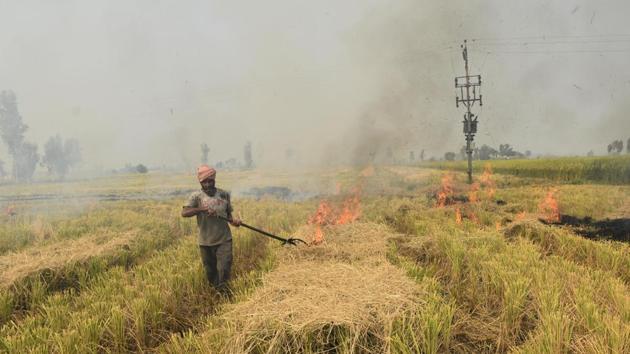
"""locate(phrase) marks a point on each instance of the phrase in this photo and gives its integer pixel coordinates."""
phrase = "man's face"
(207, 183)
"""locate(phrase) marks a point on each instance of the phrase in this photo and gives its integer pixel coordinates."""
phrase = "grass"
(610, 169)
(497, 281)
(139, 308)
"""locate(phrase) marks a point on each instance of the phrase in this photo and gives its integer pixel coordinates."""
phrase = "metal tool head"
(294, 241)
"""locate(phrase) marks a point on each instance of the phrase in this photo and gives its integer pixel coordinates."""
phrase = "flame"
(487, 181)
(326, 214)
(446, 190)
(472, 194)
(497, 225)
(520, 216)
(320, 218)
(458, 216)
(549, 206)
(351, 208)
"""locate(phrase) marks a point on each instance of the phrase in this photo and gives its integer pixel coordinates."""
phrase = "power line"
(596, 51)
(543, 37)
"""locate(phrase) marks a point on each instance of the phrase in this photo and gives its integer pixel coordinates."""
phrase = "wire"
(497, 39)
(596, 51)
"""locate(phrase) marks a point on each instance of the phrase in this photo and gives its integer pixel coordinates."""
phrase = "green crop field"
(525, 261)
(610, 170)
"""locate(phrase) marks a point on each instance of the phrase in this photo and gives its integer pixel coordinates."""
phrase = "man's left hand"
(236, 222)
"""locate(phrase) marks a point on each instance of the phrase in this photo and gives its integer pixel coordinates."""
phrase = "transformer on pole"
(469, 87)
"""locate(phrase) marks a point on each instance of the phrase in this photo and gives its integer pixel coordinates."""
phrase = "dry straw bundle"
(342, 296)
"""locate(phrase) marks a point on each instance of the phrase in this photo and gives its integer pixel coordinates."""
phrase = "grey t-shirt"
(212, 230)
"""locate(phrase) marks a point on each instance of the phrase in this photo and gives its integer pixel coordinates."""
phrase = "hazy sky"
(148, 81)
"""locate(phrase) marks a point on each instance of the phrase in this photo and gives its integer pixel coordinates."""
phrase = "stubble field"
(401, 259)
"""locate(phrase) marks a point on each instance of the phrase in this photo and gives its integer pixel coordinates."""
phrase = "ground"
(400, 259)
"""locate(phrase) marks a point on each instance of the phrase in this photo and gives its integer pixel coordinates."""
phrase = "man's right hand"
(188, 212)
(211, 212)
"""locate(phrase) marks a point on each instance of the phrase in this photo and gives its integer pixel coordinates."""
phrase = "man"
(215, 237)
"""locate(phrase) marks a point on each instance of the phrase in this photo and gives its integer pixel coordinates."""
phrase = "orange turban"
(205, 171)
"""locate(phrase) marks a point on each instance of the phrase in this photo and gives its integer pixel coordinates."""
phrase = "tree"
(140, 168)
(12, 130)
(628, 146)
(422, 155)
(464, 155)
(449, 156)
(505, 150)
(204, 153)
(2, 171)
(247, 155)
(11, 126)
(486, 152)
(60, 156)
(26, 159)
(616, 147)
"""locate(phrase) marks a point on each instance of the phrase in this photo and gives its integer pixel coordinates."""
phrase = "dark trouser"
(217, 262)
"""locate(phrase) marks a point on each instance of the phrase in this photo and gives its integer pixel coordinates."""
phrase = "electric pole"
(467, 86)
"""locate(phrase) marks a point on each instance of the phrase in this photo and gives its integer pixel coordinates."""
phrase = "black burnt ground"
(607, 229)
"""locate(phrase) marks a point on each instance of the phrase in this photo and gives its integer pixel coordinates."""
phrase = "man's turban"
(205, 171)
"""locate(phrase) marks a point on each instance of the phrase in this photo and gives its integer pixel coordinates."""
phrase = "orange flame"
(497, 225)
(458, 216)
(549, 206)
(351, 208)
(487, 181)
(520, 216)
(446, 190)
(321, 217)
(349, 211)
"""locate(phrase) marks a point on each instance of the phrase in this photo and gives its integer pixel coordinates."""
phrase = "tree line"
(59, 155)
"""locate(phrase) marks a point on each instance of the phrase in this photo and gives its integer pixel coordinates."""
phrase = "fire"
(326, 214)
(458, 216)
(520, 216)
(497, 225)
(446, 190)
(320, 218)
(487, 181)
(351, 209)
(549, 206)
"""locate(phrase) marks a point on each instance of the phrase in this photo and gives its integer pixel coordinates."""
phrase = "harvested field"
(408, 261)
(345, 286)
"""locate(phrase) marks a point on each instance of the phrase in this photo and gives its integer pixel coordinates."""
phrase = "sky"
(332, 81)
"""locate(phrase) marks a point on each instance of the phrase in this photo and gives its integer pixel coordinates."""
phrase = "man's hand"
(236, 222)
(211, 212)
(188, 212)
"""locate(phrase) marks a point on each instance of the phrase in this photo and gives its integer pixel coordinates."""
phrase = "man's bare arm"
(188, 212)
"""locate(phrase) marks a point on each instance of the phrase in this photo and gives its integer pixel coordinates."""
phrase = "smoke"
(332, 82)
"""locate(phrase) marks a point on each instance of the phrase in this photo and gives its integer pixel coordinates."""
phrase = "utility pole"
(467, 86)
